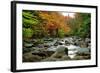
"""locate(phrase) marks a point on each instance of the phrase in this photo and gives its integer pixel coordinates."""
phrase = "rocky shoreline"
(36, 50)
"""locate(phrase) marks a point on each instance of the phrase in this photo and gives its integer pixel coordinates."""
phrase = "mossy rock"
(28, 57)
(65, 57)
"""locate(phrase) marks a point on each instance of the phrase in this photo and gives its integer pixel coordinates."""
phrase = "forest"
(41, 28)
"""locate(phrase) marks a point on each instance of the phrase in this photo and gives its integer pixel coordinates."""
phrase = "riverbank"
(50, 49)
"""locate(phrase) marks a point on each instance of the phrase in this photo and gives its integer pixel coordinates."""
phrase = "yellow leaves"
(54, 20)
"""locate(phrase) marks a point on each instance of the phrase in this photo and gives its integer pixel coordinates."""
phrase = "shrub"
(27, 32)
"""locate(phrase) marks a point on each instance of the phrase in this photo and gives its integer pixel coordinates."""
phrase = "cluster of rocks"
(36, 50)
(36, 56)
(44, 56)
(33, 53)
(84, 43)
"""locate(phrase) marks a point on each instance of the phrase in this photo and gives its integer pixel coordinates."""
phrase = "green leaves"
(85, 27)
(29, 19)
(61, 33)
(53, 24)
(26, 15)
(27, 32)
(29, 22)
(80, 25)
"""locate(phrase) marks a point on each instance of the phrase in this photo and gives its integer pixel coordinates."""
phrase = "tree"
(84, 29)
(31, 22)
(80, 25)
(53, 21)
(61, 33)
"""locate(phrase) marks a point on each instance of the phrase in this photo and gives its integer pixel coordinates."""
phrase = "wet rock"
(48, 39)
(78, 43)
(57, 55)
(42, 52)
(82, 55)
(40, 46)
(46, 46)
(78, 57)
(33, 40)
(28, 57)
(53, 50)
(49, 53)
(56, 44)
(89, 45)
(57, 58)
(83, 44)
(25, 50)
(60, 51)
(67, 43)
(66, 57)
(83, 51)
(87, 40)
(28, 45)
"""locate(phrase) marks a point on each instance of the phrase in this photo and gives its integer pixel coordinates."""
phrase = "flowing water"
(72, 49)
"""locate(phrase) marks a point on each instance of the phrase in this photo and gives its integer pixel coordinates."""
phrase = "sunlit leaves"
(54, 24)
(27, 32)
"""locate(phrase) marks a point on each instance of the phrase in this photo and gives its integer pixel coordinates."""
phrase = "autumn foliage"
(54, 24)
(51, 24)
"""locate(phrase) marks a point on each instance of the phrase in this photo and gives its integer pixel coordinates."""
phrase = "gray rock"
(42, 53)
(28, 57)
(78, 57)
(25, 50)
(84, 50)
(89, 45)
(87, 40)
(28, 45)
(83, 44)
(65, 57)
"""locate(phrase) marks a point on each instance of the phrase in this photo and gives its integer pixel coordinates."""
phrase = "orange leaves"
(54, 20)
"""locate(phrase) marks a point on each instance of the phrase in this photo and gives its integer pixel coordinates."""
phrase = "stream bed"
(56, 49)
